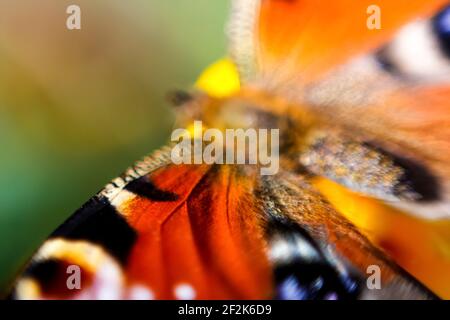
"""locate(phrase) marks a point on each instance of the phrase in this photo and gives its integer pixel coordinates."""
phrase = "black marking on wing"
(302, 271)
(385, 62)
(99, 222)
(420, 179)
(441, 29)
(146, 188)
(51, 275)
(43, 271)
(416, 177)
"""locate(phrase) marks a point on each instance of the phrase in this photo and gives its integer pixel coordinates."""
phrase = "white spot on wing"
(107, 283)
(184, 292)
(415, 51)
(140, 292)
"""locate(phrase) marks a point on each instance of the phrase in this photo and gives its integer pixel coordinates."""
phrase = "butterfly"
(362, 112)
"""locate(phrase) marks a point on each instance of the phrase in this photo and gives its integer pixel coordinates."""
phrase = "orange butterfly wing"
(186, 231)
(322, 56)
(210, 232)
(311, 37)
(208, 238)
(308, 51)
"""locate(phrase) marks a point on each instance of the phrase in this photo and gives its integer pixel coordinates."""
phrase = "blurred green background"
(78, 106)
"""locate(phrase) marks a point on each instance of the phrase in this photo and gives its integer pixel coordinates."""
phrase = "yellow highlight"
(220, 80)
(421, 247)
(194, 132)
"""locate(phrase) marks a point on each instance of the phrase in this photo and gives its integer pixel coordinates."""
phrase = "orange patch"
(311, 36)
(209, 238)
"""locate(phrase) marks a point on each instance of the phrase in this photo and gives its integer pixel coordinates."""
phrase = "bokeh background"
(78, 106)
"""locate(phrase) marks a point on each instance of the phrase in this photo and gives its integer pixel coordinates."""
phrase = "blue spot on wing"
(441, 26)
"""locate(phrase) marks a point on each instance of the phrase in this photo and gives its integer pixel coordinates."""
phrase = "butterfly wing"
(160, 231)
(370, 82)
(317, 254)
(373, 86)
(169, 231)
(310, 37)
